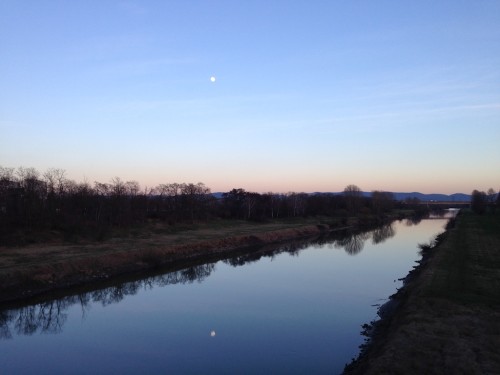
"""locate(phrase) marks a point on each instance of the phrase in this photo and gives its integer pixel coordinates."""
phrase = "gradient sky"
(310, 95)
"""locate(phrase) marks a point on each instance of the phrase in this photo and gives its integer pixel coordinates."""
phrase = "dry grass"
(45, 266)
(467, 267)
(450, 323)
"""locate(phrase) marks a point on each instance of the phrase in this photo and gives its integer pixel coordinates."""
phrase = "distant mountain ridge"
(457, 197)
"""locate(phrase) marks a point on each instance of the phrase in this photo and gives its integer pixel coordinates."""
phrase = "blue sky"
(309, 95)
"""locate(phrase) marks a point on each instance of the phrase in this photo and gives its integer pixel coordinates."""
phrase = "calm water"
(293, 310)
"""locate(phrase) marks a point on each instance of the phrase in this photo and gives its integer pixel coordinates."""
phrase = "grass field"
(468, 270)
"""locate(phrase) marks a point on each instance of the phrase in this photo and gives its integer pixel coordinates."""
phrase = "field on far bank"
(449, 320)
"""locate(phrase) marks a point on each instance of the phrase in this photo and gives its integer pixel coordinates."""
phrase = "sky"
(308, 95)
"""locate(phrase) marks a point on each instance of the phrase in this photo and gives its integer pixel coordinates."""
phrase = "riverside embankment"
(446, 318)
(31, 270)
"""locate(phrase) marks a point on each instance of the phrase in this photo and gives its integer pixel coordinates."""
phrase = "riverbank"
(446, 319)
(32, 270)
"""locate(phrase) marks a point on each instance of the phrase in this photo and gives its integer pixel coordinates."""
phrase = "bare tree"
(8, 207)
(273, 203)
(194, 199)
(250, 202)
(33, 195)
(118, 187)
(7, 174)
(296, 203)
(169, 201)
(492, 199)
(55, 179)
(102, 191)
(382, 201)
(132, 188)
(479, 201)
(234, 203)
(353, 197)
(491, 195)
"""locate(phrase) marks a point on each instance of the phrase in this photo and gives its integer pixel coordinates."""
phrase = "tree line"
(31, 202)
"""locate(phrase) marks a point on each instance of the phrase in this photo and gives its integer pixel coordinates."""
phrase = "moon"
(212, 79)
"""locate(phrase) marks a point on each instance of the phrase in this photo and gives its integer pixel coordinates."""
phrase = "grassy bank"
(468, 268)
(30, 270)
(448, 321)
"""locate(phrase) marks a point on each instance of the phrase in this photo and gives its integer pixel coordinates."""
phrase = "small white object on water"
(212, 79)
(212, 334)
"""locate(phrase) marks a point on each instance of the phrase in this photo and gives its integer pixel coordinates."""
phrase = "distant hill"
(457, 197)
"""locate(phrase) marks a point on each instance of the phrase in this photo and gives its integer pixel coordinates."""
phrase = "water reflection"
(50, 316)
(414, 220)
(353, 244)
(448, 213)
(381, 234)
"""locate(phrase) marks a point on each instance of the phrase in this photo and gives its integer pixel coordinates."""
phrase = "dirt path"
(449, 318)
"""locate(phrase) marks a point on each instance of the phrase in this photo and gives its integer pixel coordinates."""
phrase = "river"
(293, 309)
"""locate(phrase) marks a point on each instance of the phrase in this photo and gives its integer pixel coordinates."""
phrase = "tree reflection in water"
(382, 233)
(47, 317)
(50, 317)
(354, 243)
(411, 221)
